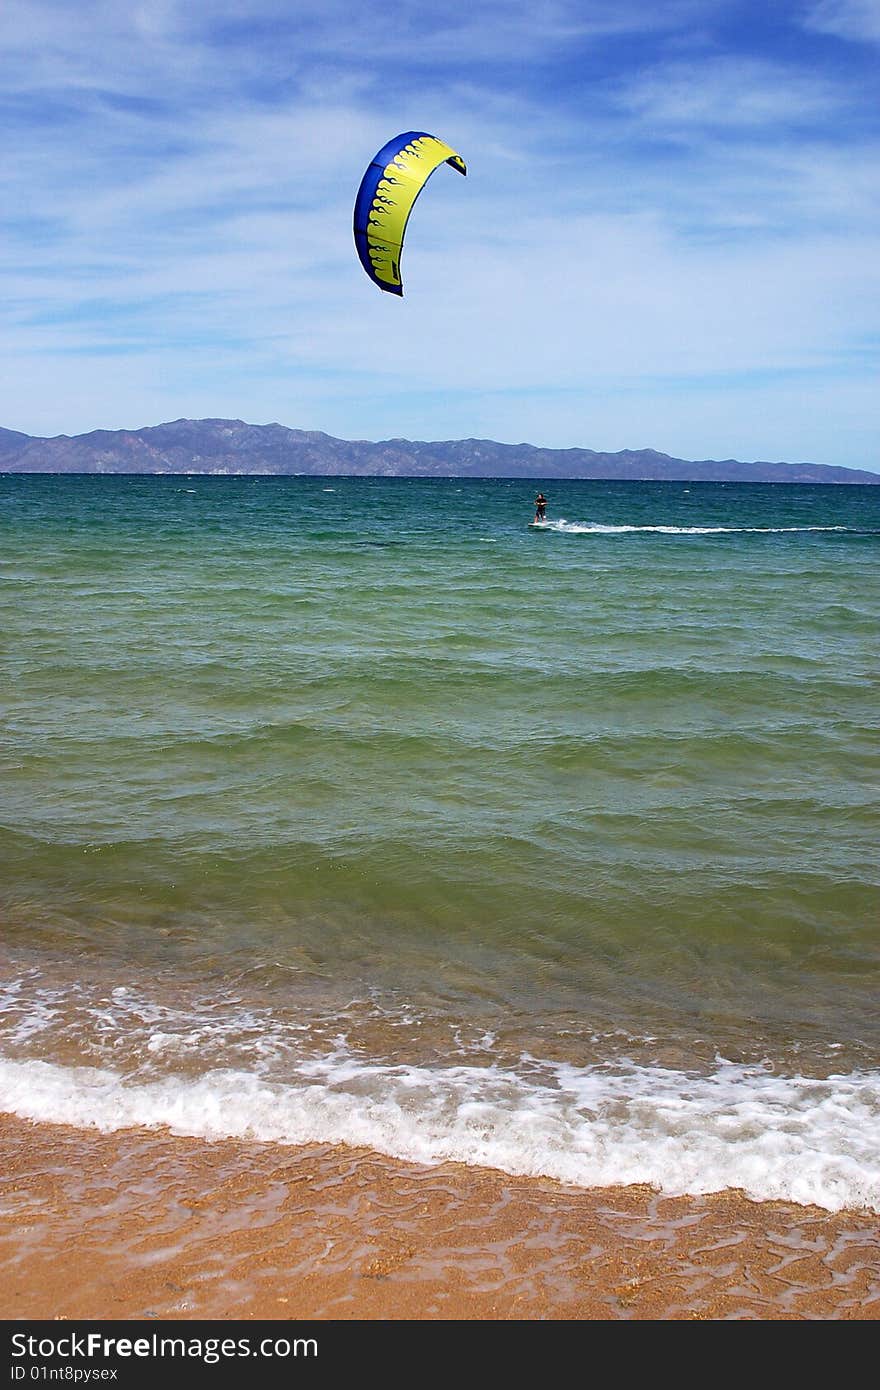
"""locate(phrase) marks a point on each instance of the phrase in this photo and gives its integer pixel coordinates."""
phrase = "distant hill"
(233, 447)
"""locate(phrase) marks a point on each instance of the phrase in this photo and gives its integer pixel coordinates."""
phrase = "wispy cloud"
(732, 93)
(847, 19)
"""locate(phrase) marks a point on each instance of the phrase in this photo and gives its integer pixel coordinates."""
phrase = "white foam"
(585, 528)
(792, 1138)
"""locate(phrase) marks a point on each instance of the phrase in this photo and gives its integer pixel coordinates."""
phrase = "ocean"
(352, 810)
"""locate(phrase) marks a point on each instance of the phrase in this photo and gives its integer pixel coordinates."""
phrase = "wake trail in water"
(592, 528)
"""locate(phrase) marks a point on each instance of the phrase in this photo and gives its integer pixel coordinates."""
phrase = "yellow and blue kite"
(389, 188)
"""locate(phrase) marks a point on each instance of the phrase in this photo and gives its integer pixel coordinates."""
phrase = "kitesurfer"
(540, 506)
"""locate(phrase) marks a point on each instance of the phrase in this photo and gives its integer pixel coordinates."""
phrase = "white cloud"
(846, 19)
(706, 93)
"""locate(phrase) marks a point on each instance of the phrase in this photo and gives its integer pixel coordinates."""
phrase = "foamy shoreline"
(140, 1224)
(810, 1141)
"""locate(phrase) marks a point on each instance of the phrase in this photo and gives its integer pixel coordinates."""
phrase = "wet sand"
(141, 1224)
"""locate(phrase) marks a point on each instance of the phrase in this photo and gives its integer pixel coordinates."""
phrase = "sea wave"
(804, 1140)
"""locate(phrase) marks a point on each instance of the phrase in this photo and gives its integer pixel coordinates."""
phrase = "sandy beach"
(141, 1224)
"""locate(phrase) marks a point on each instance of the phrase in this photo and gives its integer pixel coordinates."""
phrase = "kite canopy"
(389, 188)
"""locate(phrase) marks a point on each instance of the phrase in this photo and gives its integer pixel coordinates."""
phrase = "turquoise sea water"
(354, 809)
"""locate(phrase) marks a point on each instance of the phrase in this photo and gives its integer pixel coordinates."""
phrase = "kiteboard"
(540, 525)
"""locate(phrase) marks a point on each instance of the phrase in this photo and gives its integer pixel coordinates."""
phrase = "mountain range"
(231, 447)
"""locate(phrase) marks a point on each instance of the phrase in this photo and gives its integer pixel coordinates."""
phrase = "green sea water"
(362, 793)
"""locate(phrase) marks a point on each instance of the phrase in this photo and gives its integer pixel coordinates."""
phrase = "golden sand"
(140, 1224)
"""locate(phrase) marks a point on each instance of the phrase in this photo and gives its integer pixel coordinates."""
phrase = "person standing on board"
(540, 506)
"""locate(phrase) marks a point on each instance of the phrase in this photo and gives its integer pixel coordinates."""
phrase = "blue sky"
(668, 236)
